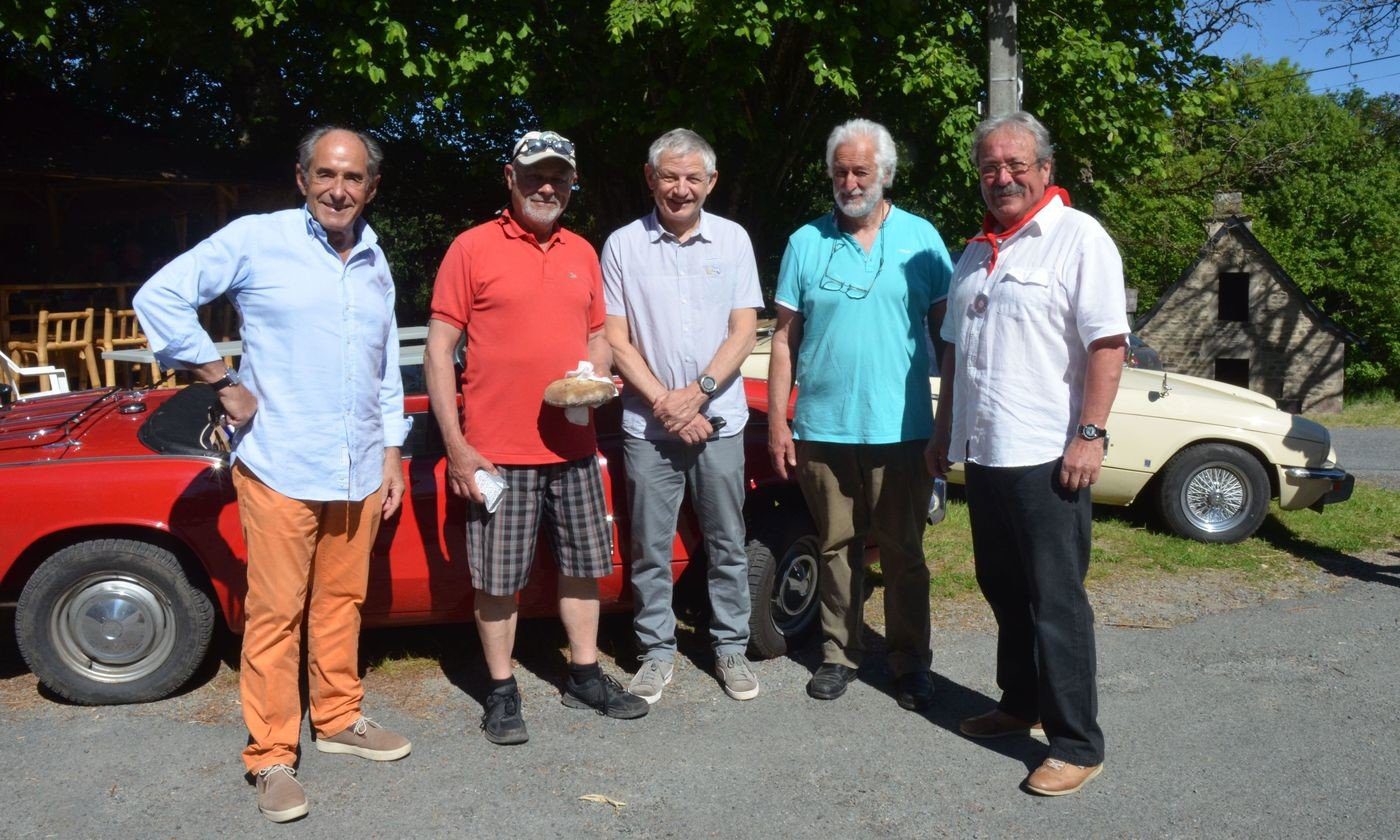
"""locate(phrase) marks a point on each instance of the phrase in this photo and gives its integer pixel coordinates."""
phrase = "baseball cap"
(536, 146)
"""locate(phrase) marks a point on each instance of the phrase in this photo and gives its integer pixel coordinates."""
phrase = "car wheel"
(783, 572)
(113, 621)
(1214, 493)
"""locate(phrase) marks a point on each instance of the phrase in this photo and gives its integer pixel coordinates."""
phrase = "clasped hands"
(679, 412)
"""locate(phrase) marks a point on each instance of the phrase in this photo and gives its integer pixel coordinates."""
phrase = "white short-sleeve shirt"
(1022, 331)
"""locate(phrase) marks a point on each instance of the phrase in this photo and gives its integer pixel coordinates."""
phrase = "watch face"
(707, 384)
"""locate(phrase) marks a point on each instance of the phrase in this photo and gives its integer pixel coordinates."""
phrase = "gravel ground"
(1228, 712)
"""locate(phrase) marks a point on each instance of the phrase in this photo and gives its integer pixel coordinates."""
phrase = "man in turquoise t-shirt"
(854, 291)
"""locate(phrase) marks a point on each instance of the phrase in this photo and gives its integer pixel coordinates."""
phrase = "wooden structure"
(1236, 316)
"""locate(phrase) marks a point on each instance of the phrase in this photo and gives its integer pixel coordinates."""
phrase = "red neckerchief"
(994, 238)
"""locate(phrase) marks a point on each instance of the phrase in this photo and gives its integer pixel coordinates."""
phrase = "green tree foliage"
(1319, 175)
(765, 81)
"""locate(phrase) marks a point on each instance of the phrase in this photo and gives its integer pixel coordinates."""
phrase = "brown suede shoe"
(280, 795)
(366, 739)
(998, 724)
(1057, 778)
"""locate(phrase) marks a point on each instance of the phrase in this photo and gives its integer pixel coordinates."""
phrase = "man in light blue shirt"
(317, 406)
(854, 290)
(682, 297)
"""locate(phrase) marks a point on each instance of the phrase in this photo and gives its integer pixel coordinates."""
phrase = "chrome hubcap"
(1215, 498)
(114, 628)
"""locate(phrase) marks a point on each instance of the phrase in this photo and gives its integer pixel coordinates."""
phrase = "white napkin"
(578, 415)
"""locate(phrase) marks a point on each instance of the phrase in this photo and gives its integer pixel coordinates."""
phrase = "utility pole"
(1003, 59)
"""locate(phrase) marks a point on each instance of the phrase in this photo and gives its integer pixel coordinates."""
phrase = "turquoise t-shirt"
(862, 368)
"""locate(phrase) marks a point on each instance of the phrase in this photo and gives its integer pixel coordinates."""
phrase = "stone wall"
(1292, 356)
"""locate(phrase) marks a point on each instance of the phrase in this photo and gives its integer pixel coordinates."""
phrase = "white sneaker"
(651, 678)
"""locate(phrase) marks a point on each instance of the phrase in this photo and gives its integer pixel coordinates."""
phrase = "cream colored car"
(1205, 456)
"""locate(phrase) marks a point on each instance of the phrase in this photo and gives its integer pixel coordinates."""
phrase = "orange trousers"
(295, 546)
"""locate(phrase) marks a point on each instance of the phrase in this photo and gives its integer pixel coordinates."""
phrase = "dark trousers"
(880, 491)
(1031, 539)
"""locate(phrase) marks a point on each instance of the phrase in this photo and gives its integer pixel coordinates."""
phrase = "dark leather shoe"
(998, 724)
(914, 691)
(830, 681)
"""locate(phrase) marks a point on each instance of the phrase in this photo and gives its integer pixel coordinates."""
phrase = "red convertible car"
(120, 546)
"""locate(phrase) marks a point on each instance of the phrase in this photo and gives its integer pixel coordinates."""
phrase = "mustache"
(1008, 189)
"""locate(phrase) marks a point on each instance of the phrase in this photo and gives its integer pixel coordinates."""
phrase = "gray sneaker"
(651, 678)
(737, 677)
(280, 795)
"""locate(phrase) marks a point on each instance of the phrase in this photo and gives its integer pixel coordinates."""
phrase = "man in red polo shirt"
(529, 296)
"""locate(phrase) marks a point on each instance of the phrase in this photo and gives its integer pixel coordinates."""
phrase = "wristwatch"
(229, 379)
(1089, 431)
(707, 384)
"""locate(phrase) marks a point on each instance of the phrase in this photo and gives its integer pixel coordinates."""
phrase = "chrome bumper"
(1342, 483)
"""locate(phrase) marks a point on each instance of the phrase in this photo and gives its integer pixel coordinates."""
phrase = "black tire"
(1213, 493)
(113, 621)
(784, 565)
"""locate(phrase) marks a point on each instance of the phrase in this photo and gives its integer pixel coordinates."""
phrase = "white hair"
(1020, 120)
(682, 141)
(886, 157)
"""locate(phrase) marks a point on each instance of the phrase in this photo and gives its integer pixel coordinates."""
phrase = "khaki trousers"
(880, 491)
(295, 546)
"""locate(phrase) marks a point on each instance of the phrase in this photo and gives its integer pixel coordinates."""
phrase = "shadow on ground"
(1330, 560)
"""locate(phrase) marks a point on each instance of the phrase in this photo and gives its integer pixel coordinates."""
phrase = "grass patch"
(1125, 545)
(1379, 408)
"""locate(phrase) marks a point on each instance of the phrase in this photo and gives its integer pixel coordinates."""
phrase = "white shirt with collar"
(1022, 331)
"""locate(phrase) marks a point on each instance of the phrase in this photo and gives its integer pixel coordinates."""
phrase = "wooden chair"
(11, 374)
(121, 330)
(62, 332)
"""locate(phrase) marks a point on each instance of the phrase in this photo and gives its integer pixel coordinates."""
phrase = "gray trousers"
(658, 473)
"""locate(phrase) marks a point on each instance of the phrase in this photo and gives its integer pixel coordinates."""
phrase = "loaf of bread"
(572, 391)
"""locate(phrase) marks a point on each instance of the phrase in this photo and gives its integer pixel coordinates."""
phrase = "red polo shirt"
(527, 313)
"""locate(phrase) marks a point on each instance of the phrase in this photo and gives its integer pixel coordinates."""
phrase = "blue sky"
(1284, 26)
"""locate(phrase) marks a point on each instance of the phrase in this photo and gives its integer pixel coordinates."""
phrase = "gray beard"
(859, 208)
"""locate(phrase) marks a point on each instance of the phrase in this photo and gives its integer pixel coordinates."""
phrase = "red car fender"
(190, 499)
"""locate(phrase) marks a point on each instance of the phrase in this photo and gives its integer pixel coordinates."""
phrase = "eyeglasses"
(547, 140)
(850, 290)
(1012, 167)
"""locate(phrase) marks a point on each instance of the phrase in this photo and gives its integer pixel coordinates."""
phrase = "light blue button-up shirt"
(677, 297)
(320, 348)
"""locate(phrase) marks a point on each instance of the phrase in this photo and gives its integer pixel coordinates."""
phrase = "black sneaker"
(604, 695)
(502, 723)
(914, 691)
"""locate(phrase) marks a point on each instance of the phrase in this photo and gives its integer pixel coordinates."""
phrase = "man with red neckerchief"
(1036, 326)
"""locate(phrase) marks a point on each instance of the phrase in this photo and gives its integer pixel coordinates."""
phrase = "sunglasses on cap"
(547, 140)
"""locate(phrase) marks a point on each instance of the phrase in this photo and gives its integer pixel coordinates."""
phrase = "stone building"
(1236, 316)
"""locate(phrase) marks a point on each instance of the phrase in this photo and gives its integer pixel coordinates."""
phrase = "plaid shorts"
(568, 498)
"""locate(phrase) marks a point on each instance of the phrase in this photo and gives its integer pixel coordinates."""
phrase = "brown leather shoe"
(998, 724)
(1057, 778)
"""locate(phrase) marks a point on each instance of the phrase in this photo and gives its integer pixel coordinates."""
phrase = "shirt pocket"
(1025, 294)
